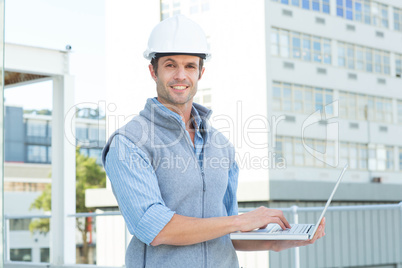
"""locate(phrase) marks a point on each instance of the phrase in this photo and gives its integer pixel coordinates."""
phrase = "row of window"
(300, 99)
(36, 128)
(169, 8)
(44, 129)
(358, 156)
(294, 153)
(43, 154)
(316, 5)
(363, 58)
(304, 99)
(25, 254)
(289, 44)
(365, 11)
(361, 107)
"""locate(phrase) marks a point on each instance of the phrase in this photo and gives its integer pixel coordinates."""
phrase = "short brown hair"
(154, 63)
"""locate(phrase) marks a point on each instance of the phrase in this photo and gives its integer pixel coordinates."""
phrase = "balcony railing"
(356, 236)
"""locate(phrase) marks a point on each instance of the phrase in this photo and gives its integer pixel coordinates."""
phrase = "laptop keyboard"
(296, 229)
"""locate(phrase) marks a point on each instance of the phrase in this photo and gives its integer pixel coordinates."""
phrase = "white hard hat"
(177, 35)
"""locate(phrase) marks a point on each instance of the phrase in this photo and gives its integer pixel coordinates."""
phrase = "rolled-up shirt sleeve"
(230, 198)
(136, 189)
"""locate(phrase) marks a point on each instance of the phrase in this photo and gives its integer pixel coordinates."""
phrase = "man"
(173, 175)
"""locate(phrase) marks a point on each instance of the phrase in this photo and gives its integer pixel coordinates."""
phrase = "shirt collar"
(194, 113)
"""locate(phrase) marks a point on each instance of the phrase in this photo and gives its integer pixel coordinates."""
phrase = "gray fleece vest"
(186, 188)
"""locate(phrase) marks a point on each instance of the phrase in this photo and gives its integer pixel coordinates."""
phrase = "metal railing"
(351, 238)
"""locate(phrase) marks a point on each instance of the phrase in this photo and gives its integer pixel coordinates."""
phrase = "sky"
(55, 24)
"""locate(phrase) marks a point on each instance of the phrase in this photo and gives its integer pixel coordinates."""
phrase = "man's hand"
(285, 244)
(278, 245)
(260, 218)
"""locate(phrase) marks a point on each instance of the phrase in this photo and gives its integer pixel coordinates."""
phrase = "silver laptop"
(297, 232)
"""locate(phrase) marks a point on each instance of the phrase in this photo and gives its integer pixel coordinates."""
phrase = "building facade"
(27, 171)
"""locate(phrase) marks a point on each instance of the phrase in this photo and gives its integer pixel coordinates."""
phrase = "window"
(295, 154)
(355, 154)
(397, 19)
(400, 158)
(19, 224)
(379, 13)
(21, 254)
(353, 106)
(169, 8)
(362, 58)
(300, 99)
(198, 6)
(44, 255)
(398, 65)
(37, 154)
(295, 45)
(36, 128)
(399, 104)
(81, 134)
(381, 157)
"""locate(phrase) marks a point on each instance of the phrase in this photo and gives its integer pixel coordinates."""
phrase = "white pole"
(297, 250)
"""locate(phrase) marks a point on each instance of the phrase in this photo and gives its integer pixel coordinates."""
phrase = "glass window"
(284, 43)
(44, 255)
(399, 104)
(397, 19)
(359, 58)
(389, 157)
(308, 100)
(341, 54)
(306, 4)
(21, 254)
(275, 42)
(327, 51)
(350, 55)
(296, 45)
(358, 10)
(36, 128)
(81, 134)
(93, 133)
(369, 60)
(349, 10)
(277, 96)
(377, 61)
(287, 97)
(19, 224)
(317, 49)
(306, 48)
(398, 65)
(298, 98)
(316, 5)
(400, 159)
(325, 6)
(339, 8)
(296, 3)
(37, 153)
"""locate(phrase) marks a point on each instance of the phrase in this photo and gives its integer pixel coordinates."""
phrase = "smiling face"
(177, 79)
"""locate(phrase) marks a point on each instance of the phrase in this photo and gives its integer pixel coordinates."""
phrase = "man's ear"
(201, 73)
(152, 72)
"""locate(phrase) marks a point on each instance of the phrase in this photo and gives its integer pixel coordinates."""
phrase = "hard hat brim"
(201, 55)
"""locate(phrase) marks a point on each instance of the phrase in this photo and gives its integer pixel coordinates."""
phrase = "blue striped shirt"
(135, 184)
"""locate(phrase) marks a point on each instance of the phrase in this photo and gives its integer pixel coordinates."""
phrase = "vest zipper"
(202, 173)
